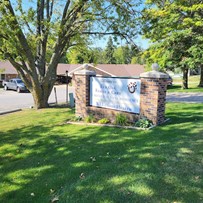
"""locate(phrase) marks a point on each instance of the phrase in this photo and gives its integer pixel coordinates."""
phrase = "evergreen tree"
(127, 54)
(109, 52)
(119, 56)
(124, 54)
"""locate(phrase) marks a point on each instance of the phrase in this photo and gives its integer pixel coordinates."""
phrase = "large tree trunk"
(40, 100)
(201, 76)
(185, 78)
(41, 95)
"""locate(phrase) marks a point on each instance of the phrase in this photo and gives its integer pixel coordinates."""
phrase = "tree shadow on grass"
(100, 164)
(174, 87)
(61, 106)
(187, 113)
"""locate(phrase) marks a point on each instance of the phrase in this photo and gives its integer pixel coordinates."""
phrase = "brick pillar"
(153, 95)
(82, 91)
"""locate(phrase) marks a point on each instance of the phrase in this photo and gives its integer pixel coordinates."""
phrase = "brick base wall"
(100, 113)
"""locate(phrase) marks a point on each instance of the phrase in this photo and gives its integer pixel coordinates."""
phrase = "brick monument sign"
(135, 97)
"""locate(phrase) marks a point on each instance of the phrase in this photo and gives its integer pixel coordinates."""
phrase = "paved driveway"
(185, 97)
(10, 100)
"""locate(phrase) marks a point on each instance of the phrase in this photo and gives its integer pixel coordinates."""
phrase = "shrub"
(143, 123)
(77, 118)
(104, 121)
(121, 119)
(90, 119)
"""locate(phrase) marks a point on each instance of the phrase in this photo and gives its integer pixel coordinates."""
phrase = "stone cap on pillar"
(85, 71)
(154, 73)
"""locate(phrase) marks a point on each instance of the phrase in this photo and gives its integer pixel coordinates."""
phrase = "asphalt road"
(196, 97)
(11, 100)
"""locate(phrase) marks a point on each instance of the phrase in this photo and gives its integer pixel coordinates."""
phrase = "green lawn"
(41, 158)
(192, 85)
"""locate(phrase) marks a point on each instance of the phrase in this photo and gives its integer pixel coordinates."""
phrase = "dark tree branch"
(68, 20)
(4, 37)
(100, 33)
(65, 11)
(90, 20)
(38, 18)
(47, 9)
(42, 34)
(125, 36)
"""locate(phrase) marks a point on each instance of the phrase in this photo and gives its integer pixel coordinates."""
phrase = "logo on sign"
(132, 86)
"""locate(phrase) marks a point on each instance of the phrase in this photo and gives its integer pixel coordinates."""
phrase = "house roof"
(111, 69)
(121, 69)
(62, 68)
(7, 67)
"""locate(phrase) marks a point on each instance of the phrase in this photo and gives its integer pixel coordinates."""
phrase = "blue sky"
(144, 43)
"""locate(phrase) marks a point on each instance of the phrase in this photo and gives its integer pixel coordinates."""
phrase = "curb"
(11, 111)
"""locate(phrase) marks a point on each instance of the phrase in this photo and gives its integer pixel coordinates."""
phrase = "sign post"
(66, 74)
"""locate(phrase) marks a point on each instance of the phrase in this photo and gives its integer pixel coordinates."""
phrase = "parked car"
(14, 84)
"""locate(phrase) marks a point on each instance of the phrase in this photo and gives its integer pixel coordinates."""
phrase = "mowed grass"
(193, 82)
(42, 159)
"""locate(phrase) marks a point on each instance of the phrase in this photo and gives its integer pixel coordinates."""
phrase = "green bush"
(143, 123)
(121, 119)
(90, 119)
(77, 118)
(104, 121)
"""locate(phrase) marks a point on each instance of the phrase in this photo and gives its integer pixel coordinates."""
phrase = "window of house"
(2, 76)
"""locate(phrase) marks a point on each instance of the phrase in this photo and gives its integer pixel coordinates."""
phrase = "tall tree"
(85, 54)
(98, 55)
(109, 52)
(136, 55)
(124, 54)
(78, 55)
(196, 59)
(127, 54)
(35, 35)
(119, 56)
(176, 27)
(201, 76)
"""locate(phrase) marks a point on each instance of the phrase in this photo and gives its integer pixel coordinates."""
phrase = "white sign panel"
(121, 94)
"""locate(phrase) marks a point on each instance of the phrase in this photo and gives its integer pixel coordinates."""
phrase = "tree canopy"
(175, 28)
(35, 35)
